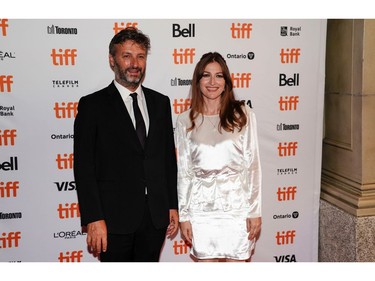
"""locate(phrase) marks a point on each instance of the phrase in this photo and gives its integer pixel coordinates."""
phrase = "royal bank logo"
(54, 29)
(7, 111)
(290, 31)
(7, 55)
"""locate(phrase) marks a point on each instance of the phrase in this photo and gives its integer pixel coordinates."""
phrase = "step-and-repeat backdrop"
(277, 67)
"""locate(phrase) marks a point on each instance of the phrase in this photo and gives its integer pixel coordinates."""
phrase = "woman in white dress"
(219, 172)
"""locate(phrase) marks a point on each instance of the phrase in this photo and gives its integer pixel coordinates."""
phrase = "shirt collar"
(125, 93)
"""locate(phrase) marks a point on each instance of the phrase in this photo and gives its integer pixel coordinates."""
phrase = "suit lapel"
(150, 102)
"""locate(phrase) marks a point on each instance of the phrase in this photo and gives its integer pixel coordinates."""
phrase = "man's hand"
(97, 236)
(173, 223)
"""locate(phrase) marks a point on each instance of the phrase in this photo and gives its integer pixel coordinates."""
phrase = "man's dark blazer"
(111, 169)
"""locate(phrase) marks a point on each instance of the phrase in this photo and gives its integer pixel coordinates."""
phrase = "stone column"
(347, 207)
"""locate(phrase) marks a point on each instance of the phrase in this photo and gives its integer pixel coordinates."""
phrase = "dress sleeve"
(253, 166)
(184, 174)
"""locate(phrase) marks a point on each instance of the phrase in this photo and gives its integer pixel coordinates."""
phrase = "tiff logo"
(118, 27)
(66, 110)
(241, 30)
(286, 193)
(183, 56)
(241, 80)
(5, 83)
(180, 248)
(74, 256)
(9, 189)
(3, 26)
(181, 105)
(290, 55)
(10, 240)
(7, 137)
(64, 161)
(288, 103)
(64, 57)
(287, 149)
(285, 238)
(69, 211)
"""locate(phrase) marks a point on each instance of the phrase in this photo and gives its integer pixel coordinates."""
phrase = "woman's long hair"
(231, 111)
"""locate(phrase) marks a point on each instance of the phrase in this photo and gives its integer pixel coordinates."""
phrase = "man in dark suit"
(124, 159)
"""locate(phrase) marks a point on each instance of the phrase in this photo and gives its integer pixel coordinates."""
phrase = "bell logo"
(180, 248)
(69, 211)
(9, 189)
(10, 240)
(3, 26)
(118, 27)
(288, 103)
(285, 237)
(241, 80)
(286, 193)
(64, 57)
(287, 149)
(181, 105)
(65, 162)
(7, 137)
(66, 110)
(290, 55)
(183, 56)
(74, 256)
(5, 83)
(241, 30)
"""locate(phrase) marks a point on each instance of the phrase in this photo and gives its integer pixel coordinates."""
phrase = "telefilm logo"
(290, 31)
(65, 84)
(73, 256)
(179, 31)
(10, 216)
(7, 55)
(3, 27)
(9, 189)
(293, 215)
(54, 29)
(285, 258)
(7, 111)
(287, 171)
(180, 82)
(68, 234)
(248, 56)
(10, 240)
(11, 165)
(6, 82)
(118, 26)
(241, 30)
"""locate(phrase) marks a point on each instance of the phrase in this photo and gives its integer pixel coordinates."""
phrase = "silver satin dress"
(219, 185)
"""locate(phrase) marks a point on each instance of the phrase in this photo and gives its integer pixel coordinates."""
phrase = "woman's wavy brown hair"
(231, 112)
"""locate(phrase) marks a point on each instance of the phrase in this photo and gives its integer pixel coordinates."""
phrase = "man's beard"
(125, 79)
